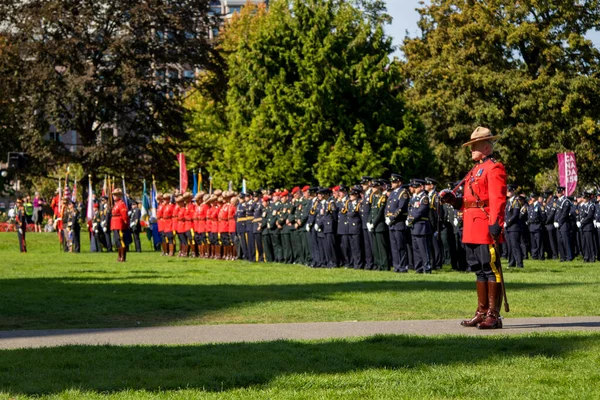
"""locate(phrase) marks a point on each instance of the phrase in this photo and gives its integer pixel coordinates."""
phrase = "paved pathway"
(267, 332)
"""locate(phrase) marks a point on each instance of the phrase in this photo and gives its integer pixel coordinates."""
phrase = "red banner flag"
(183, 176)
(567, 171)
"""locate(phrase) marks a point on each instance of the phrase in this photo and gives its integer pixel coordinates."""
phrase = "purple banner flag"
(567, 171)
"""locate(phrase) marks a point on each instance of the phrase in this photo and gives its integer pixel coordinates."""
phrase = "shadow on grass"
(51, 303)
(223, 367)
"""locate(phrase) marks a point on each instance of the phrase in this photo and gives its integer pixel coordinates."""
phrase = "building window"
(234, 9)
(188, 74)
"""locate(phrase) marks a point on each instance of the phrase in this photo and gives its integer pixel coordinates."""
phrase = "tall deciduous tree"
(94, 65)
(522, 68)
(313, 97)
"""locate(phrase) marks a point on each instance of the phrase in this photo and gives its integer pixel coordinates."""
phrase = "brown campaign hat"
(118, 192)
(479, 134)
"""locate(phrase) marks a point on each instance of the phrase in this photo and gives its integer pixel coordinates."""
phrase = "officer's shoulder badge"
(425, 200)
(404, 195)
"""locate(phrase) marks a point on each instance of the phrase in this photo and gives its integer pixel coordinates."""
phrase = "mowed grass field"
(47, 289)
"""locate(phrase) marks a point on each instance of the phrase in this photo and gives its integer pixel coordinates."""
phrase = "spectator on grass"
(49, 226)
(38, 215)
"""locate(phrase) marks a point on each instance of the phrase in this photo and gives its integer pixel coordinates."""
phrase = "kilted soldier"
(535, 221)
(119, 224)
(21, 219)
(135, 225)
(326, 228)
(587, 213)
(419, 222)
(562, 224)
(512, 228)
(396, 214)
(377, 227)
(484, 209)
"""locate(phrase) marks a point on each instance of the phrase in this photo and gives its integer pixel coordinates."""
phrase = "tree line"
(304, 91)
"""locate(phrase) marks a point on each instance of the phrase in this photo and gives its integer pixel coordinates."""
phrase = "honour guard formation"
(395, 225)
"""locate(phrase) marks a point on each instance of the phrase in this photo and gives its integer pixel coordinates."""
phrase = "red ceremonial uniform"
(202, 215)
(55, 205)
(213, 215)
(223, 225)
(181, 213)
(119, 219)
(190, 210)
(159, 217)
(485, 189)
(168, 217)
(231, 218)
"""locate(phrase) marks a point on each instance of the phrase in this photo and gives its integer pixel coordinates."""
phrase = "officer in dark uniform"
(535, 221)
(377, 226)
(269, 221)
(448, 235)
(296, 204)
(576, 240)
(395, 217)
(326, 228)
(587, 213)
(302, 228)
(97, 236)
(275, 231)
(562, 224)
(458, 224)
(249, 252)
(512, 227)
(525, 244)
(106, 215)
(597, 225)
(343, 229)
(135, 225)
(418, 220)
(311, 228)
(550, 244)
(365, 211)
(355, 228)
(436, 219)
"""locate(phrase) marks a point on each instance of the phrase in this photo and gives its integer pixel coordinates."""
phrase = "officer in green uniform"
(283, 223)
(377, 226)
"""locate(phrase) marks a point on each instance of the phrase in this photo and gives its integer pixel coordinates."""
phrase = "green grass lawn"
(46, 288)
(536, 366)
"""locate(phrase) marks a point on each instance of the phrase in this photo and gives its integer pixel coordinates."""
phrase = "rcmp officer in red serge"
(483, 205)
(119, 224)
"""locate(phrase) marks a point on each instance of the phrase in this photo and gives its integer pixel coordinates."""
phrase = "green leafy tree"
(524, 69)
(313, 97)
(95, 65)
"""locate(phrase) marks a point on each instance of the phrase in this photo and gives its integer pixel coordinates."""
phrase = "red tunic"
(180, 212)
(168, 217)
(119, 219)
(190, 210)
(223, 224)
(213, 215)
(231, 218)
(485, 183)
(159, 217)
(202, 215)
(55, 204)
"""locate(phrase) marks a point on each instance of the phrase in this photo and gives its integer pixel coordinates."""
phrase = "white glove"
(20, 231)
(388, 220)
(595, 224)
(579, 224)
(505, 224)
(307, 227)
(456, 222)
(556, 225)
(318, 228)
(369, 227)
(131, 225)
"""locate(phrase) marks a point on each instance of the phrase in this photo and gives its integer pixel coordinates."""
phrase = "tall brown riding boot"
(492, 319)
(482, 306)
(124, 256)
(119, 254)
(171, 249)
(219, 251)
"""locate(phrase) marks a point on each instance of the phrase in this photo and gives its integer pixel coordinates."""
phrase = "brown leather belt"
(475, 204)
